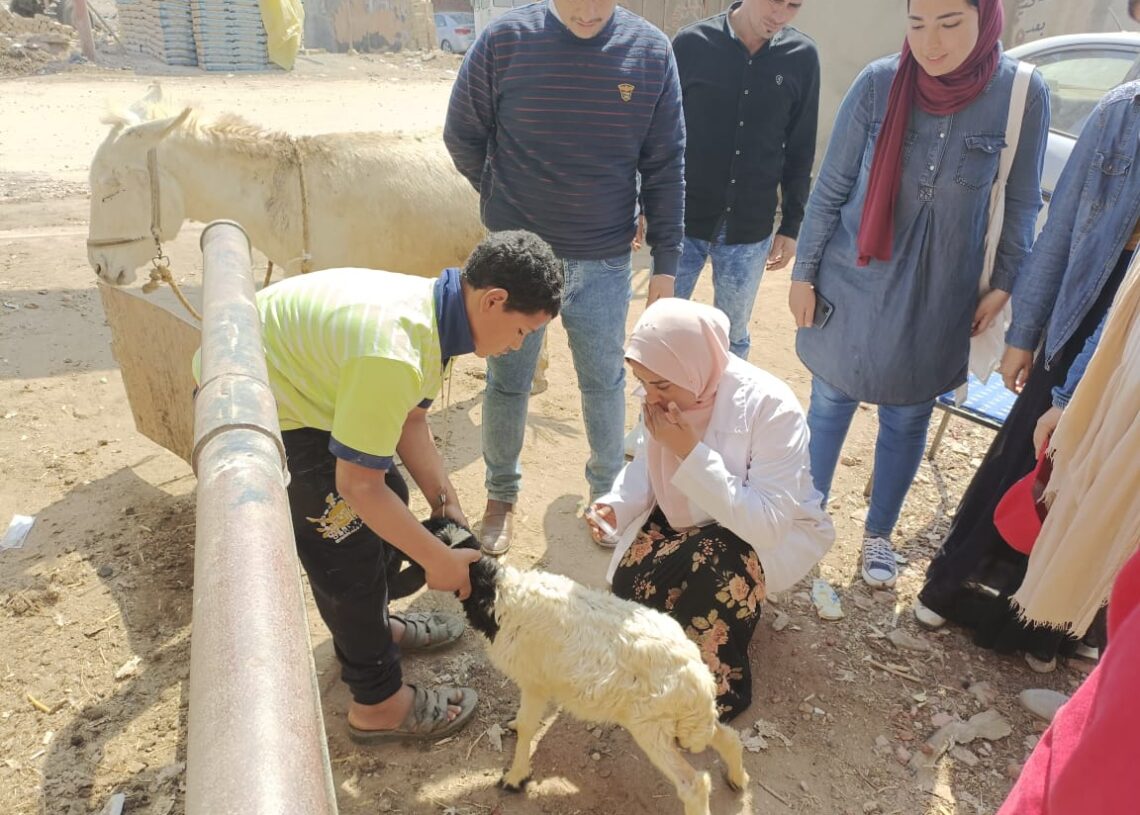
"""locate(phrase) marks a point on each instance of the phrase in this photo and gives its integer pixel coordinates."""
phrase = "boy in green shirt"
(355, 357)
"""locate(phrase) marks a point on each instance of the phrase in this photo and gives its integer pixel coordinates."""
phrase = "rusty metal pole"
(256, 742)
(81, 19)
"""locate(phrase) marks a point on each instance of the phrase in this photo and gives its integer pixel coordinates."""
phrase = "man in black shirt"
(750, 86)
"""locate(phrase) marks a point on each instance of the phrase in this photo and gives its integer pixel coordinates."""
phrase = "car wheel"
(446, 47)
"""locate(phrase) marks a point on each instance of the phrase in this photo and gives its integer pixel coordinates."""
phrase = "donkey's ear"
(151, 133)
(118, 119)
(153, 94)
(150, 104)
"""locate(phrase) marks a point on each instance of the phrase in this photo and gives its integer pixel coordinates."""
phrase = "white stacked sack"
(230, 35)
(162, 29)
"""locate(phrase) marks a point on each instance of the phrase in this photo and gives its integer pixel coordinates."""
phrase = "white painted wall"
(852, 33)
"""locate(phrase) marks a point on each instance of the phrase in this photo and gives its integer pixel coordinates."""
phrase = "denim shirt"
(1094, 209)
(900, 331)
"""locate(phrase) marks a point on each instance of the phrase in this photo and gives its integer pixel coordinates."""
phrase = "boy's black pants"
(345, 562)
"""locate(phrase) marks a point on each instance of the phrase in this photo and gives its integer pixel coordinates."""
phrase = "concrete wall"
(852, 33)
(368, 25)
(1033, 19)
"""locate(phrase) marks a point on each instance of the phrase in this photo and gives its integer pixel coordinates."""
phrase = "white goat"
(602, 659)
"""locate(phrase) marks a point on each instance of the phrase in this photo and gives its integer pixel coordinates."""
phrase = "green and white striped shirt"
(352, 351)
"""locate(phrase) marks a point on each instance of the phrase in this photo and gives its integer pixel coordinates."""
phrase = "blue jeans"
(898, 450)
(595, 303)
(737, 269)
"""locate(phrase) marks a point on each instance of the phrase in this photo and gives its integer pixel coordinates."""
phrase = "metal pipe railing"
(256, 743)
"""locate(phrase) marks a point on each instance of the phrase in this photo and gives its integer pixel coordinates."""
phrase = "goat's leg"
(531, 708)
(726, 742)
(692, 787)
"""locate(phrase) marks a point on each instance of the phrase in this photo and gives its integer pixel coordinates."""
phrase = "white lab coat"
(750, 474)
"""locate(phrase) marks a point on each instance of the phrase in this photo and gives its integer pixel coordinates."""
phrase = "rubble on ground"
(28, 43)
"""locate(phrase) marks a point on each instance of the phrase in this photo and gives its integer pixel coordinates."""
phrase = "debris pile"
(26, 43)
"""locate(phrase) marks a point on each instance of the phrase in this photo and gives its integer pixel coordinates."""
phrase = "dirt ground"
(95, 608)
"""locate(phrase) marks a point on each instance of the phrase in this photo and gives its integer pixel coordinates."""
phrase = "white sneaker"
(926, 617)
(1089, 652)
(880, 571)
(1041, 666)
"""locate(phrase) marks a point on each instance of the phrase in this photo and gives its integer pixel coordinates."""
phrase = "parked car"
(454, 31)
(488, 10)
(1079, 70)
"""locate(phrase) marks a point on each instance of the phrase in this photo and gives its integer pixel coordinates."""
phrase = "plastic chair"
(987, 404)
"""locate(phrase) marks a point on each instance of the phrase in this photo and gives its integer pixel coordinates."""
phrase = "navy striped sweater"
(552, 130)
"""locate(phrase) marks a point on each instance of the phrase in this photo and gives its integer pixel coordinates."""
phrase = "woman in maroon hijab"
(890, 257)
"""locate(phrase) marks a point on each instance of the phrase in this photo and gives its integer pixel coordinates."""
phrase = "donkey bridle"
(155, 214)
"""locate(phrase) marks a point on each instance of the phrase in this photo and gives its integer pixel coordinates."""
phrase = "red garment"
(1021, 512)
(938, 96)
(1086, 762)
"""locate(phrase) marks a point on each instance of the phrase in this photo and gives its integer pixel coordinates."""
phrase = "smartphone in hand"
(823, 311)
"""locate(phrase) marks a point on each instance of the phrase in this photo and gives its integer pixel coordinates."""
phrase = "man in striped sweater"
(558, 108)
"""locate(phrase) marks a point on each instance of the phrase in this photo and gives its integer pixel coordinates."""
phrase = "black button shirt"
(751, 124)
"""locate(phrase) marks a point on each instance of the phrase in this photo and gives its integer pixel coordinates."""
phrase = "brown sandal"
(428, 717)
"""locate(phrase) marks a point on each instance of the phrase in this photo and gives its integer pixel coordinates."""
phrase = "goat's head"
(122, 224)
(406, 577)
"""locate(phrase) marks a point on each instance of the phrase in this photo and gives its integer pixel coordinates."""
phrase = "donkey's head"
(125, 188)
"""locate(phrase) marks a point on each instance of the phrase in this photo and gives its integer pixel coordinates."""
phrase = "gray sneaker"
(880, 571)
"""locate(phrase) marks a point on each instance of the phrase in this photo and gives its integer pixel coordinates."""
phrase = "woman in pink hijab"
(718, 506)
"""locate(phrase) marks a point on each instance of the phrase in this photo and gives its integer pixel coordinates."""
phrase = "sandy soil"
(105, 575)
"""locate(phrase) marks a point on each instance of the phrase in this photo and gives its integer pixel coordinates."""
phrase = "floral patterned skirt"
(711, 582)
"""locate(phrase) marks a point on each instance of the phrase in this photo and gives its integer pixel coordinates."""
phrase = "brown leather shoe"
(497, 528)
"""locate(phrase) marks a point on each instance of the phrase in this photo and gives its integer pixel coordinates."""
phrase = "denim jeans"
(737, 269)
(898, 450)
(595, 303)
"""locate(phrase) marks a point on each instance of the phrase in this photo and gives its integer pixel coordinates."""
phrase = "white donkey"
(372, 200)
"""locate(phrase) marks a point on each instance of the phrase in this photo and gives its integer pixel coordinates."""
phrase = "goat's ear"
(453, 535)
(151, 133)
(462, 538)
